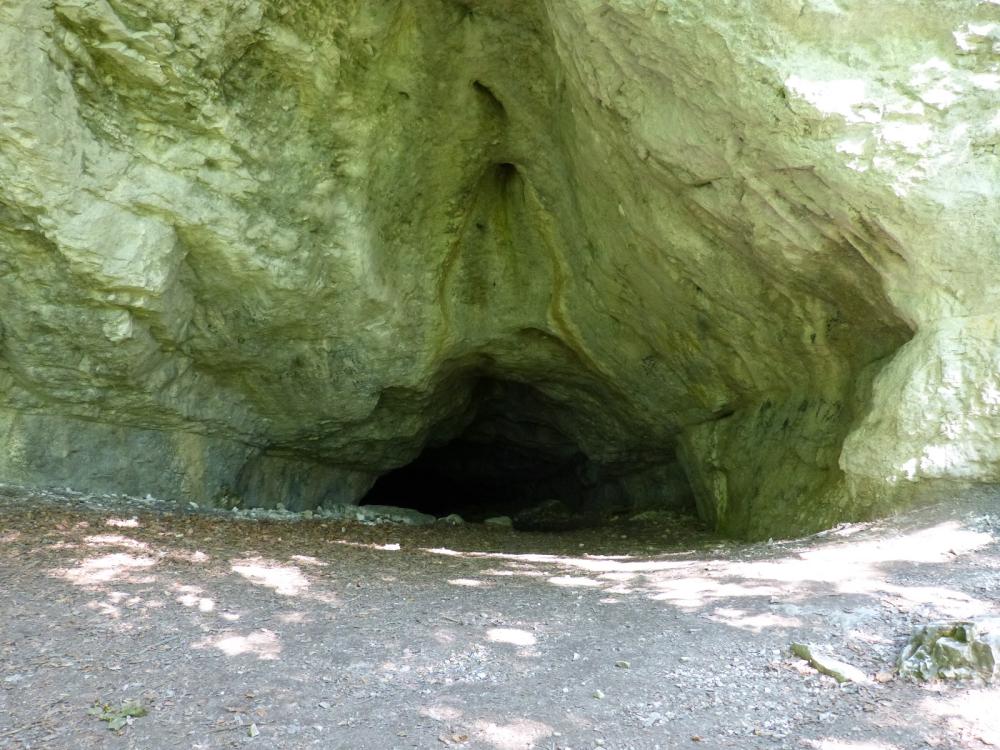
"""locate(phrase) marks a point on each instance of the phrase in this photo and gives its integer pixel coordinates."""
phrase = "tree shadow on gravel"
(331, 635)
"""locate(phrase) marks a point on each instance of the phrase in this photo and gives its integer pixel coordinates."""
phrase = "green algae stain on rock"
(961, 650)
(282, 250)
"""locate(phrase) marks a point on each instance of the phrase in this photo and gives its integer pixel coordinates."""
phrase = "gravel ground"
(291, 634)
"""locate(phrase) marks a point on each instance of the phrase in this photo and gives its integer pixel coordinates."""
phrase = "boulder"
(955, 650)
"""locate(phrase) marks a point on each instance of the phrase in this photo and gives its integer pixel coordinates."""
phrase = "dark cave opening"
(515, 458)
(478, 480)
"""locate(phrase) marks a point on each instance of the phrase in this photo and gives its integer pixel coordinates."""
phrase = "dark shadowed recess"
(513, 459)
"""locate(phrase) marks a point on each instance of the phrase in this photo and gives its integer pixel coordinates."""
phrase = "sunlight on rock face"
(839, 97)
(517, 735)
(908, 135)
(514, 636)
(264, 644)
(284, 579)
(106, 568)
(935, 460)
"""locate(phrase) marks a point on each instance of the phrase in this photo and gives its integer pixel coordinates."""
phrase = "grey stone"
(826, 664)
(956, 650)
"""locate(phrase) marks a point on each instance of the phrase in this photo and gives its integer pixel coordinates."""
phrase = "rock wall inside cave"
(619, 253)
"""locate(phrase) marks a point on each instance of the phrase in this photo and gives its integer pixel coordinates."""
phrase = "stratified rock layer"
(276, 249)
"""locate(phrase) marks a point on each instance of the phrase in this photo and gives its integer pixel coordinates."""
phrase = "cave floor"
(313, 634)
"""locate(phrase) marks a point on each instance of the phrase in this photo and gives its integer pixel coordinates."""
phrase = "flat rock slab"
(825, 664)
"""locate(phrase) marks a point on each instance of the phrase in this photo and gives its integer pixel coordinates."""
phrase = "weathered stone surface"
(829, 665)
(272, 250)
(953, 651)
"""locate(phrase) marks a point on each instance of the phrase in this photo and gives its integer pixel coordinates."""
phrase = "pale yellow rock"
(265, 249)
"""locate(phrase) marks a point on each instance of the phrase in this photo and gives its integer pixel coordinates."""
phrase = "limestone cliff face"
(279, 248)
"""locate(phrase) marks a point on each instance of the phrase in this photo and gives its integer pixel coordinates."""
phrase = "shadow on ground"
(290, 635)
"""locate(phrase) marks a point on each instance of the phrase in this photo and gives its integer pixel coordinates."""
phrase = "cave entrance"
(478, 480)
(515, 458)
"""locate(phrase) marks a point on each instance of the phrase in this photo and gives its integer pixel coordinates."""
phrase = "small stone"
(504, 521)
(599, 694)
(253, 731)
(623, 665)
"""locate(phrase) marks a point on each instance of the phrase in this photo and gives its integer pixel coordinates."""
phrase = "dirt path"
(302, 635)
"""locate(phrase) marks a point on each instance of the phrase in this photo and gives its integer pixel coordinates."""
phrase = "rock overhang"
(284, 244)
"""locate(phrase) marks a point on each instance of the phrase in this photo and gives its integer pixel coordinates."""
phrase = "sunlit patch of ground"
(264, 644)
(324, 635)
(284, 579)
(973, 714)
(107, 568)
